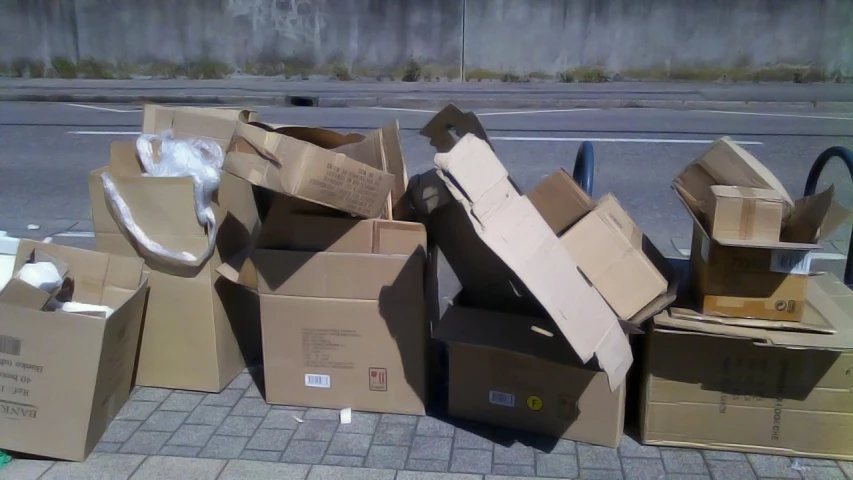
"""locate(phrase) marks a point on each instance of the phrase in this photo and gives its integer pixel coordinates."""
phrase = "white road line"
(789, 115)
(103, 109)
(415, 110)
(76, 234)
(614, 140)
(97, 132)
(533, 112)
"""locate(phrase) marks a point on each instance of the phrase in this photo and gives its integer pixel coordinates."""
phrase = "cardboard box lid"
(764, 194)
(216, 124)
(726, 163)
(560, 201)
(20, 293)
(296, 167)
(828, 298)
(510, 226)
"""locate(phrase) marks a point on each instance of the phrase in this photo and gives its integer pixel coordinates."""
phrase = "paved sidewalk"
(275, 91)
(164, 434)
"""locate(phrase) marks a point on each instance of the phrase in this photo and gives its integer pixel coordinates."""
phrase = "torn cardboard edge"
(510, 226)
(827, 304)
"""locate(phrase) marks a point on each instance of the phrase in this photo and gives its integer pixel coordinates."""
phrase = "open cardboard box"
(749, 278)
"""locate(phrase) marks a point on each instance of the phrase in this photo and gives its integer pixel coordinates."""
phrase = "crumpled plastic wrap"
(198, 159)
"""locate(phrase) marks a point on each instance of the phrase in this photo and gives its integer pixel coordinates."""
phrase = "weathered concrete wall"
(580, 39)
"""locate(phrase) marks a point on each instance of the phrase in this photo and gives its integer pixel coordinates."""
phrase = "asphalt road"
(47, 151)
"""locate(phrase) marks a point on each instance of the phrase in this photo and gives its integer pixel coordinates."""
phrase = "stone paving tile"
(242, 470)
(241, 381)
(145, 443)
(431, 448)
(398, 434)
(721, 470)
(427, 465)
(251, 407)
(135, 410)
(352, 444)
(433, 427)
(381, 456)
(514, 471)
(160, 421)
(225, 448)
(159, 468)
(25, 469)
(177, 451)
(208, 415)
(643, 469)
(322, 430)
(151, 394)
(361, 423)
(107, 447)
(588, 474)
(227, 398)
(471, 461)
(239, 426)
(517, 454)
(466, 439)
(339, 461)
(556, 465)
(564, 447)
(260, 455)
(816, 462)
(683, 461)
(631, 448)
(440, 476)
(98, 465)
(252, 392)
(282, 419)
(305, 451)
(326, 472)
(687, 476)
(823, 473)
(266, 439)
(322, 414)
(192, 436)
(182, 402)
(591, 456)
(395, 418)
(772, 466)
(120, 430)
(847, 468)
(722, 455)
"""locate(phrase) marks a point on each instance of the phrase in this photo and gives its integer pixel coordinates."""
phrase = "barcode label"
(502, 399)
(792, 262)
(10, 345)
(318, 381)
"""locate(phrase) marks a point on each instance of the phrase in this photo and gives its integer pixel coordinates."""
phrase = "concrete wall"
(700, 39)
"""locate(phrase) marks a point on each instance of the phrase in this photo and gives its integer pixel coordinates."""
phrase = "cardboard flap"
(828, 302)
(20, 293)
(836, 216)
(321, 137)
(440, 128)
(124, 159)
(805, 222)
(560, 201)
(510, 226)
(216, 124)
(239, 269)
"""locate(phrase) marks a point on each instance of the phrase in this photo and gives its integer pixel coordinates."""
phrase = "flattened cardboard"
(64, 377)
(742, 213)
(216, 124)
(198, 331)
(755, 390)
(510, 226)
(513, 371)
(295, 167)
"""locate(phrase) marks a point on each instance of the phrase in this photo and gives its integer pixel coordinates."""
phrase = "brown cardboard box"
(512, 371)
(781, 392)
(742, 213)
(611, 251)
(216, 124)
(199, 331)
(63, 376)
(20, 293)
(354, 175)
(511, 227)
(342, 311)
(750, 278)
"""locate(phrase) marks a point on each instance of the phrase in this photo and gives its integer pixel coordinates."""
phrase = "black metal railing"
(585, 167)
(846, 156)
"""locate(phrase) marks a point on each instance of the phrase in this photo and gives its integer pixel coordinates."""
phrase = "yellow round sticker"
(534, 403)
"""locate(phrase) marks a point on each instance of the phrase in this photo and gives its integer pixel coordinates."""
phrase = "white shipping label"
(502, 399)
(318, 381)
(797, 262)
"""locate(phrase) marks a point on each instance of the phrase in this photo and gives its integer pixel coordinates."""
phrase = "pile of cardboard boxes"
(325, 267)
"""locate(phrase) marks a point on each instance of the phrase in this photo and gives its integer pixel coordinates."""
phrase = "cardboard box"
(775, 391)
(342, 311)
(63, 376)
(513, 371)
(358, 176)
(199, 329)
(741, 213)
(20, 293)
(750, 278)
(611, 251)
(215, 124)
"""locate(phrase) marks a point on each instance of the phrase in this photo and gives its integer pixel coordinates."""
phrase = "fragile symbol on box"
(378, 379)
(318, 381)
(502, 399)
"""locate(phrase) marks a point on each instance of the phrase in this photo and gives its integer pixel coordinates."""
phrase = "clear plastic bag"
(198, 159)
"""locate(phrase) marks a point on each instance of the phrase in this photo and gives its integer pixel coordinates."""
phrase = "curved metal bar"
(584, 170)
(846, 156)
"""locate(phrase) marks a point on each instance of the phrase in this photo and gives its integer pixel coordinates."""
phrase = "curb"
(418, 102)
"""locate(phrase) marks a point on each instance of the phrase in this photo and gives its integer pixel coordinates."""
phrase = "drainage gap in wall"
(301, 101)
